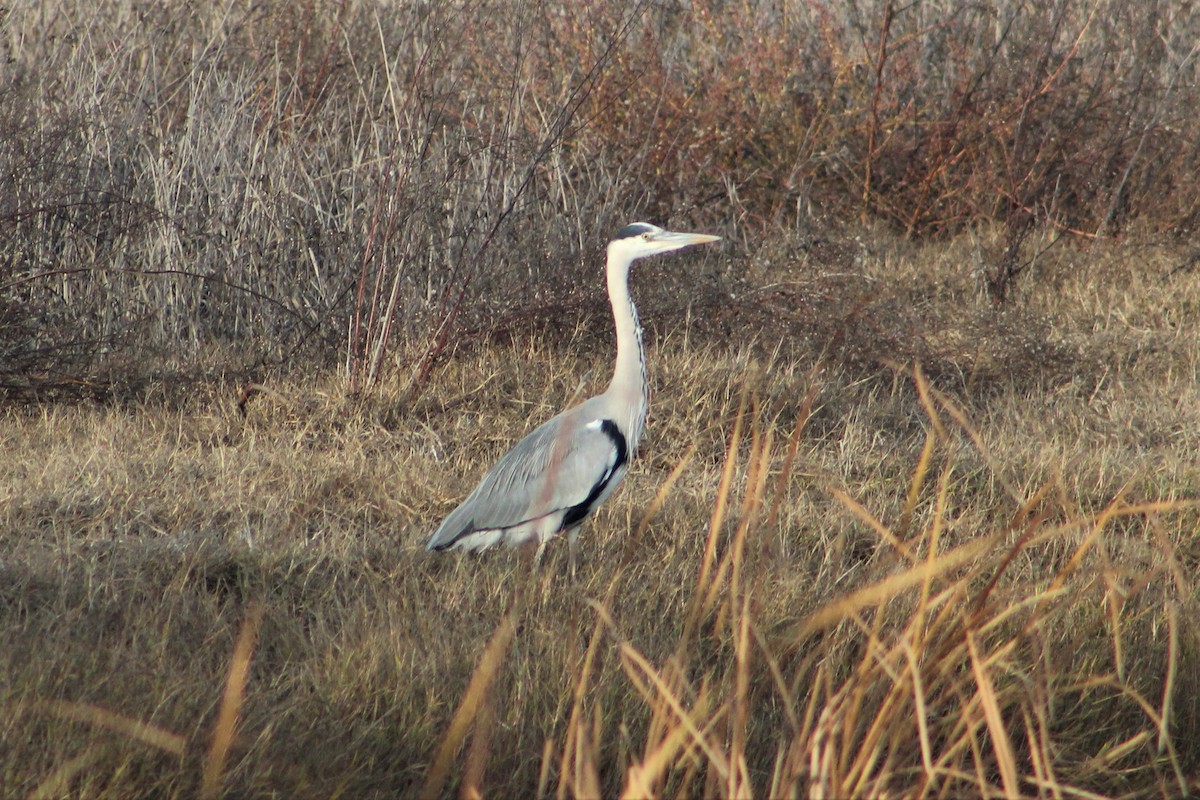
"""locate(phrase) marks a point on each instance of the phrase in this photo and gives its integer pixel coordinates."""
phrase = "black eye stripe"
(635, 229)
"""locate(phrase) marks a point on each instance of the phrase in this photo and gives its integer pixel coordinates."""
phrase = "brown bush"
(322, 179)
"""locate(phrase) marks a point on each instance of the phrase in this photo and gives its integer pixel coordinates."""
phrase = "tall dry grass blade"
(922, 711)
(756, 502)
(1114, 604)
(58, 783)
(933, 540)
(644, 776)
(916, 484)
(481, 682)
(860, 768)
(1045, 741)
(820, 687)
(784, 476)
(786, 696)
(1184, 584)
(731, 563)
(543, 780)
(823, 771)
(581, 685)
(1164, 721)
(478, 751)
(925, 392)
(971, 729)
(960, 417)
(752, 503)
(662, 719)
(738, 785)
(660, 499)
(872, 522)
(1168, 693)
(639, 671)
(716, 523)
(1001, 744)
(134, 729)
(892, 585)
(1112, 755)
(232, 698)
(724, 488)
(585, 777)
(1037, 761)
(691, 767)
(781, 782)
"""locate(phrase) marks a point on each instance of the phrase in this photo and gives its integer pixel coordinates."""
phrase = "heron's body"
(553, 479)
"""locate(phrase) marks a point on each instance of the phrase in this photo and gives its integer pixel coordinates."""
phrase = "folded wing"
(559, 472)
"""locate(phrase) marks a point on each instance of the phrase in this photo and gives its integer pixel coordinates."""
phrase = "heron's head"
(641, 239)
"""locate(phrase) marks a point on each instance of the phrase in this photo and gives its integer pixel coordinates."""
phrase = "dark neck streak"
(630, 387)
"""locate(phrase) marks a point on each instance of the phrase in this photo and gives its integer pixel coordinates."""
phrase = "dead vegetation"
(323, 184)
(916, 512)
(820, 580)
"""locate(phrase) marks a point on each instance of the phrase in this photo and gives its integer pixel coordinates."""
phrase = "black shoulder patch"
(576, 514)
(634, 229)
(618, 439)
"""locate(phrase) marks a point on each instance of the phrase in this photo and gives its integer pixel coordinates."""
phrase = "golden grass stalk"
(481, 681)
(922, 709)
(784, 476)
(58, 783)
(585, 776)
(136, 730)
(889, 587)
(1001, 744)
(731, 562)
(225, 728)
(574, 722)
(916, 484)
(660, 499)
(874, 524)
(642, 780)
(651, 685)
(738, 784)
(1164, 721)
(479, 750)
(717, 520)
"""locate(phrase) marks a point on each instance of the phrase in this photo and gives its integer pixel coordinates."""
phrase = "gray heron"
(559, 473)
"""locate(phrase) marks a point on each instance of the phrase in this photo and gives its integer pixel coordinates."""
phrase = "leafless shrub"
(269, 180)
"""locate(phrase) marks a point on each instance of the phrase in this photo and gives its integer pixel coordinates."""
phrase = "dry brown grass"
(913, 519)
(857, 580)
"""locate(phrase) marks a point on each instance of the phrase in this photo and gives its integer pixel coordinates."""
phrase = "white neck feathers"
(629, 389)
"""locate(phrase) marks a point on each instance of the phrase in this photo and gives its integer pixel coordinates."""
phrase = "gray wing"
(562, 464)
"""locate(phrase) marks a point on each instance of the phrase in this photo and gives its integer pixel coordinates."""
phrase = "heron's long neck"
(629, 386)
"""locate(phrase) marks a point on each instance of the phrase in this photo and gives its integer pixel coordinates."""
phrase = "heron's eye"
(645, 237)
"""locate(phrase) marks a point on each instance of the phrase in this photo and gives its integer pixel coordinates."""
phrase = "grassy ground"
(824, 575)
(914, 516)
